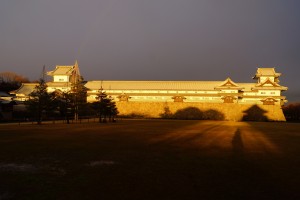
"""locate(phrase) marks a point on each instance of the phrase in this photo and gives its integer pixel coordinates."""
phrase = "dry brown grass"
(150, 159)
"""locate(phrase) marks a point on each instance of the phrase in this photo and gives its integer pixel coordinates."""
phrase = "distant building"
(63, 76)
(228, 100)
(6, 105)
(5, 97)
(266, 90)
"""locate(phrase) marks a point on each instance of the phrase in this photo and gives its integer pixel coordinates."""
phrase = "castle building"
(152, 98)
(266, 90)
(63, 76)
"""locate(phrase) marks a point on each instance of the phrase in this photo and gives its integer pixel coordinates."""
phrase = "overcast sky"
(153, 39)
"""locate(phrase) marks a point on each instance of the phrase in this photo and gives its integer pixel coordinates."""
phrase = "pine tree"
(106, 107)
(78, 97)
(40, 100)
(63, 101)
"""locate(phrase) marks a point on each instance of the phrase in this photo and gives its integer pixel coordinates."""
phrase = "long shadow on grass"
(200, 135)
(271, 151)
(154, 159)
(237, 143)
(234, 158)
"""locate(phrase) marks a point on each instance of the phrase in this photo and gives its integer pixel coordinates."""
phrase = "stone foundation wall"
(213, 111)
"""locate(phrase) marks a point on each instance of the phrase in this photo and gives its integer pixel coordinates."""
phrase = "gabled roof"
(26, 88)
(266, 82)
(61, 70)
(228, 84)
(266, 72)
(269, 99)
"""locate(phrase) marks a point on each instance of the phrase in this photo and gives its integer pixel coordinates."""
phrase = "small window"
(272, 92)
(263, 92)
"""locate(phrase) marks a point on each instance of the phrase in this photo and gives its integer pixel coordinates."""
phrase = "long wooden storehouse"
(266, 90)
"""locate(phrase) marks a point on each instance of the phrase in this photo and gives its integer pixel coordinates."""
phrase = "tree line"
(292, 112)
(11, 81)
(69, 105)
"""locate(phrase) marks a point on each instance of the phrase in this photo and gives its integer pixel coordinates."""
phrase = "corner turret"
(263, 74)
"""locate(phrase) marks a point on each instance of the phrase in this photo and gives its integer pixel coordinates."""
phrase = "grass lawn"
(150, 159)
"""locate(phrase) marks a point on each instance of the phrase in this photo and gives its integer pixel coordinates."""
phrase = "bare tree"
(11, 81)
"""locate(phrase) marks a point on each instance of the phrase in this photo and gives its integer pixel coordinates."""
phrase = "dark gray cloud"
(153, 40)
